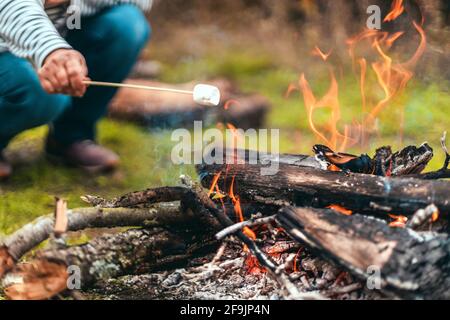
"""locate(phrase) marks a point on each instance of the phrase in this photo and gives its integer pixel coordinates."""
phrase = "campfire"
(328, 225)
(305, 233)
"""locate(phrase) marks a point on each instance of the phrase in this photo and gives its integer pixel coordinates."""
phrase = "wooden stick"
(135, 86)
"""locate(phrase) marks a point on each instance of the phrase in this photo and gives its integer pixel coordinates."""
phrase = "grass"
(30, 192)
(146, 155)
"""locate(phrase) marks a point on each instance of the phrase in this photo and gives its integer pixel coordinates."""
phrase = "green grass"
(31, 191)
(146, 155)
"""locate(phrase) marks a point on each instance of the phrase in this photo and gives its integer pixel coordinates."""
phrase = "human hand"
(64, 71)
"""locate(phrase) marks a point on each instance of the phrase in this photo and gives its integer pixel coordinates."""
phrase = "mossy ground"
(146, 154)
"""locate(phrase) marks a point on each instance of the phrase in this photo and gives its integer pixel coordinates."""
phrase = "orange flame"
(435, 216)
(396, 10)
(214, 183)
(296, 262)
(330, 135)
(391, 76)
(319, 53)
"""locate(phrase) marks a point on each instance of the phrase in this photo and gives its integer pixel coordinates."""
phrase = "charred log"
(304, 185)
(410, 265)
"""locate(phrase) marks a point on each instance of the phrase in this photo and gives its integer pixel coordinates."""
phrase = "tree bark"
(411, 266)
(135, 251)
(32, 234)
(305, 185)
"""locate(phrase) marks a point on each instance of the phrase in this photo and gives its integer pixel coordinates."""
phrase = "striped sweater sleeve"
(91, 7)
(27, 30)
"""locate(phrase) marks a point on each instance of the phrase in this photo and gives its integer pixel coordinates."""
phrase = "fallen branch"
(29, 236)
(134, 199)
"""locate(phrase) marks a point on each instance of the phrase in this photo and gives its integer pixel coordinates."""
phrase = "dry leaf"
(6, 261)
(41, 280)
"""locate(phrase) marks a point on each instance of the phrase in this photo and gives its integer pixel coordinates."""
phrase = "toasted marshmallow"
(206, 95)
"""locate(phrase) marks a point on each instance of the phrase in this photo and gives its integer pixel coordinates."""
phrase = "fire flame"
(396, 10)
(321, 54)
(399, 221)
(435, 216)
(391, 77)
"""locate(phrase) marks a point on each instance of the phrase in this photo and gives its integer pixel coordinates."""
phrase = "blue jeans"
(110, 41)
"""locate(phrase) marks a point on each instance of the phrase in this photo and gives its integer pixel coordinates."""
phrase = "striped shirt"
(30, 31)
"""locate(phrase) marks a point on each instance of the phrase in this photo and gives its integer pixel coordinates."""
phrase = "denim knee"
(36, 107)
(127, 28)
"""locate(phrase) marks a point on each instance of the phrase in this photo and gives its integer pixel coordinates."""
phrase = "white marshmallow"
(206, 95)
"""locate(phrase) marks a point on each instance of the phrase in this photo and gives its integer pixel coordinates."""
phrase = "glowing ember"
(399, 221)
(252, 265)
(340, 209)
(296, 261)
(435, 216)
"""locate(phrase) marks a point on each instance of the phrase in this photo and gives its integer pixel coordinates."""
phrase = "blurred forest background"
(262, 46)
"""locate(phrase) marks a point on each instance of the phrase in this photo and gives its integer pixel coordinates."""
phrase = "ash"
(232, 274)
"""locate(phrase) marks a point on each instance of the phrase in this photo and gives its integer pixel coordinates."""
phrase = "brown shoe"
(85, 154)
(5, 168)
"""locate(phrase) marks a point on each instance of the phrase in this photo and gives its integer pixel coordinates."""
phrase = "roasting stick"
(203, 94)
(135, 86)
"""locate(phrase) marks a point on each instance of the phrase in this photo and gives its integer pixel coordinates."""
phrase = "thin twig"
(239, 226)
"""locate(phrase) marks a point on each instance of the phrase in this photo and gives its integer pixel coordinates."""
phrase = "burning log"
(409, 264)
(301, 183)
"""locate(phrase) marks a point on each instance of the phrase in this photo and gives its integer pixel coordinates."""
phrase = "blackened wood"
(410, 265)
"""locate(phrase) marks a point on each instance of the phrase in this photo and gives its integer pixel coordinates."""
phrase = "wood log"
(29, 236)
(158, 207)
(410, 265)
(135, 251)
(300, 183)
